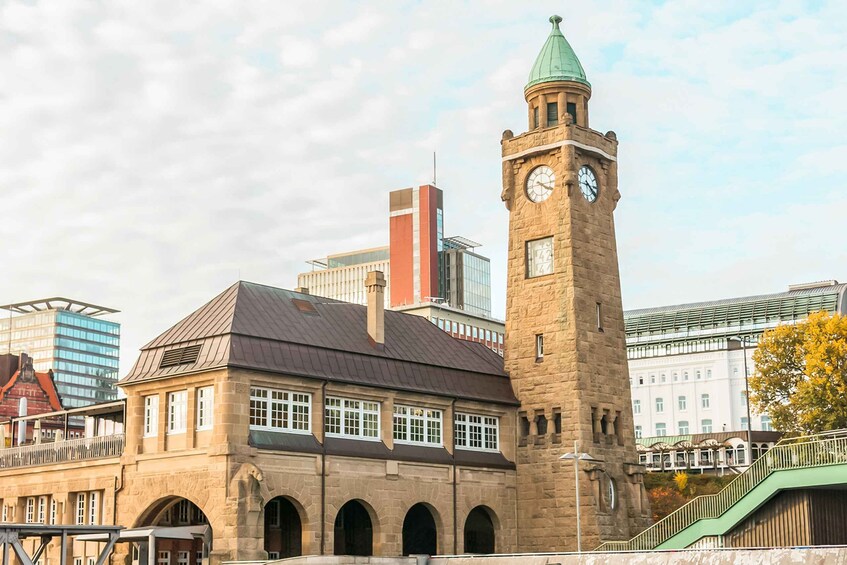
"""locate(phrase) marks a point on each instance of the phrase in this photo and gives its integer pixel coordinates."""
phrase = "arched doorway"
(353, 530)
(283, 529)
(479, 531)
(173, 512)
(419, 531)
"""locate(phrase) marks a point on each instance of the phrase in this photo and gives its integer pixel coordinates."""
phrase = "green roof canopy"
(557, 60)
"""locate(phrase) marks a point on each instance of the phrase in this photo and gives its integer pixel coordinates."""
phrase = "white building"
(342, 276)
(686, 362)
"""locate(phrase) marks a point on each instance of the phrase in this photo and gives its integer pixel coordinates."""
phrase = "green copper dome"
(557, 61)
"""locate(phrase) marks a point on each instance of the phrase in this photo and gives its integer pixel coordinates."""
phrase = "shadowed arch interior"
(479, 531)
(283, 529)
(419, 532)
(353, 530)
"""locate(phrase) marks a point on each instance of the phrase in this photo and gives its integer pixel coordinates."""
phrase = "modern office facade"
(466, 276)
(424, 270)
(342, 276)
(461, 324)
(686, 362)
(70, 338)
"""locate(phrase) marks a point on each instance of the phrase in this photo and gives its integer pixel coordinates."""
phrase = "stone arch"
(172, 511)
(286, 528)
(480, 530)
(421, 529)
(355, 528)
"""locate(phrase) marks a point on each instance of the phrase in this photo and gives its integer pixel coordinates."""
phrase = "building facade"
(565, 339)
(461, 324)
(70, 338)
(293, 424)
(466, 277)
(687, 362)
(342, 276)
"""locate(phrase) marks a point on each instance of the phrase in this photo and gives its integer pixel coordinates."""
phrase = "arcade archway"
(420, 535)
(283, 529)
(353, 530)
(479, 531)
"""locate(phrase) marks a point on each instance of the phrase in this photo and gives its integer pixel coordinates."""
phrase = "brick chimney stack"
(375, 285)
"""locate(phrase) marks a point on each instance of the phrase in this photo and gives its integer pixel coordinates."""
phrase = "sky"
(153, 153)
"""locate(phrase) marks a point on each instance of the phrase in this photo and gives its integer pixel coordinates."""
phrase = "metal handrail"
(828, 448)
(61, 451)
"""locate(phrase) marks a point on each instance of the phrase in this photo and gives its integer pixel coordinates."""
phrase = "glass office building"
(70, 338)
(465, 276)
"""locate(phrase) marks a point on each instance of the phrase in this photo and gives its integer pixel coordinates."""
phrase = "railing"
(81, 449)
(828, 448)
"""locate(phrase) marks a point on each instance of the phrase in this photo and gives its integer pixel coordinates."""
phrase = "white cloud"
(156, 152)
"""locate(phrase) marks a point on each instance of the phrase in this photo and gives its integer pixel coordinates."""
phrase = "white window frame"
(29, 516)
(90, 561)
(703, 425)
(539, 346)
(346, 409)
(682, 403)
(664, 429)
(177, 412)
(465, 424)
(183, 557)
(77, 560)
(293, 404)
(705, 402)
(636, 406)
(639, 432)
(679, 426)
(205, 408)
(163, 558)
(660, 405)
(5, 515)
(407, 414)
(93, 505)
(42, 509)
(54, 510)
(80, 508)
(151, 415)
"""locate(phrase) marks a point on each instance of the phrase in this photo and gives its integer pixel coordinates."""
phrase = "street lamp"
(576, 456)
(743, 342)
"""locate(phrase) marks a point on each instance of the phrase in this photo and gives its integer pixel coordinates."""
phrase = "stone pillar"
(542, 110)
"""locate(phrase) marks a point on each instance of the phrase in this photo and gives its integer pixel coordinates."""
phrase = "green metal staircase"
(807, 461)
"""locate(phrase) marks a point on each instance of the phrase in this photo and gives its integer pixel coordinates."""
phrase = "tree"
(801, 374)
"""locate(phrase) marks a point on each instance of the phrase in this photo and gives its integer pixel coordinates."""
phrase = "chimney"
(375, 285)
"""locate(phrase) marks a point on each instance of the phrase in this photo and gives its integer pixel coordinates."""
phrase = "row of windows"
(106, 339)
(464, 330)
(45, 509)
(86, 358)
(106, 350)
(681, 403)
(675, 376)
(88, 323)
(683, 427)
(178, 412)
(279, 410)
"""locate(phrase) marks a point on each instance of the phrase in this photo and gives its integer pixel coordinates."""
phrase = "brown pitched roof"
(260, 327)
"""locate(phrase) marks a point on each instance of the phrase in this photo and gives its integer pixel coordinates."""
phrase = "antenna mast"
(433, 170)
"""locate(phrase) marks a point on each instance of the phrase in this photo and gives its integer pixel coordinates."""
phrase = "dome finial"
(555, 20)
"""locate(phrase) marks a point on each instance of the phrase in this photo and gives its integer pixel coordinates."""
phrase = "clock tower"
(565, 339)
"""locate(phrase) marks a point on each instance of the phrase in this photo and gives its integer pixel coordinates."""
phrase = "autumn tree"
(801, 374)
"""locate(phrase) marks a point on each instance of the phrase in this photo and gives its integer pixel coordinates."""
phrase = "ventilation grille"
(305, 307)
(180, 356)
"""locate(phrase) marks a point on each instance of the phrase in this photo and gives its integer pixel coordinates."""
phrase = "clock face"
(588, 183)
(539, 183)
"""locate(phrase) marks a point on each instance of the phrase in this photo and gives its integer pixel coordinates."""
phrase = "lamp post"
(576, 456)
(743, 342)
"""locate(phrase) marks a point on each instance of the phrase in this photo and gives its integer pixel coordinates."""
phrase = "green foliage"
(801, 375)
(665, 495)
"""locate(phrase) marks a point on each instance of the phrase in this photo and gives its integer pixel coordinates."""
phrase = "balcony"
(82, 449)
